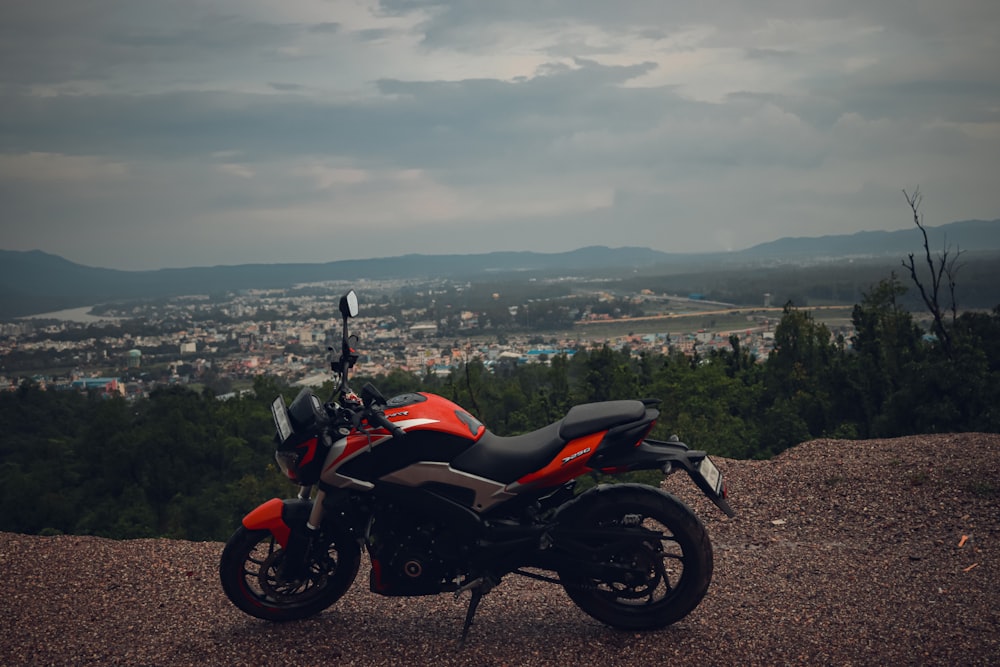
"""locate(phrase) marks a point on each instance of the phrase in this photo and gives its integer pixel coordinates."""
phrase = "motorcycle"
(441, 504)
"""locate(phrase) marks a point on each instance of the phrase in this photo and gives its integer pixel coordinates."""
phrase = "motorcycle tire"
(677, 566)
(250, 572)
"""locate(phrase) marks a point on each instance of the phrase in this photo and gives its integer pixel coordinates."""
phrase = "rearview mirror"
(349, 304)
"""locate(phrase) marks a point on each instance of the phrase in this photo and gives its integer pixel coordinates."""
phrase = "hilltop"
(842, 552)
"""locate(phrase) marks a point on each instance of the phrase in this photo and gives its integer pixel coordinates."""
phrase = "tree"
(607, 374)
(886, 345)
(945, 269)
(706, 407)
(798, 371)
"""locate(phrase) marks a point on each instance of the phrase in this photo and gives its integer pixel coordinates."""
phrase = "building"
(102, 385)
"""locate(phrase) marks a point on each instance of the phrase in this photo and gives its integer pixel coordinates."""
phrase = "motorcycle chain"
(553, 580)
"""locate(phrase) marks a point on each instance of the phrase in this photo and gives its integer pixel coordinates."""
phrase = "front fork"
(295, 523)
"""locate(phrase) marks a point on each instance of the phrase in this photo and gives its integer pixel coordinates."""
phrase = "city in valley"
(223, 342)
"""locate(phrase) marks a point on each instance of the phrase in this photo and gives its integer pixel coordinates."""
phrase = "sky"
(173, 133)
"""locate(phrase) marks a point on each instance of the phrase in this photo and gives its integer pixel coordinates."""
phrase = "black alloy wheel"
(658, 577)
(251, 575)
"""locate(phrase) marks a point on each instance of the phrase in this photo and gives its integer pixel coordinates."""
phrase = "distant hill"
(968, 235)
(33, 282)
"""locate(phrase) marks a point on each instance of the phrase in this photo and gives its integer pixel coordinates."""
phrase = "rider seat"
(506, 459)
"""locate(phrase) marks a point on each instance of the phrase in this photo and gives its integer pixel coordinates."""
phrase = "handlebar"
(352, 415)
(376, 417)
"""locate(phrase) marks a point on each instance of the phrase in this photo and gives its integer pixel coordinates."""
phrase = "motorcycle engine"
(412, 555)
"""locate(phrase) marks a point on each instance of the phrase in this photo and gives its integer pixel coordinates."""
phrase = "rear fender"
(279, 517)
(667, 456)
(648, 454)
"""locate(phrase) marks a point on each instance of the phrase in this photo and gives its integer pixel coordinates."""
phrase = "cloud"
(52, 43)
(53, 169)
(326, 28)
(430, 124)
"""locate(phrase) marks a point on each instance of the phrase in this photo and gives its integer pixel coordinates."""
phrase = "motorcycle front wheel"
(251, 574)
(660, 578)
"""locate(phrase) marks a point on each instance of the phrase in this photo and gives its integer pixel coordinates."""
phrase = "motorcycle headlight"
(288, 461)
(301, 457)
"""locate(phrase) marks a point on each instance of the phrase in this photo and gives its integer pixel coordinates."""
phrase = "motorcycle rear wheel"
(676, 561)
(250, 570)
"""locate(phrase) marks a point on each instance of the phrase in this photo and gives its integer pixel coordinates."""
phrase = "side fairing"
(569, 464)
(437, 430)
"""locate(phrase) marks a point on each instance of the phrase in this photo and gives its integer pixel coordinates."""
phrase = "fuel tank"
(437, 430)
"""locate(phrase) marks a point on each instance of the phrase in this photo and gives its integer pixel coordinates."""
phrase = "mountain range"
(968, 235)
(33, 282)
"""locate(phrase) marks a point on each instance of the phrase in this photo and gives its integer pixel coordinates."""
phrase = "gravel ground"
(844, 553)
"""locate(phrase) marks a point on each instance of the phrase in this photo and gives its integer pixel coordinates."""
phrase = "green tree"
(607, 374)
(800, 377)
(706, 407)
(887, 349)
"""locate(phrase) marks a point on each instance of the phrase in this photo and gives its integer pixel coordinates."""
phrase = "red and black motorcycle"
(444, 505)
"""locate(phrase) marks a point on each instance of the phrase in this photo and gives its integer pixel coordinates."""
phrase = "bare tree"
(943, 273)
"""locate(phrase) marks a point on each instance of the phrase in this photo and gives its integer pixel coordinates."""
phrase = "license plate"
(711, 474)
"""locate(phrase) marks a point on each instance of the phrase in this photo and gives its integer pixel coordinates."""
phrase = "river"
(81, 314)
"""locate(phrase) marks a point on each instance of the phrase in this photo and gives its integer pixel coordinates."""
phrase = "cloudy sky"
(155, 133)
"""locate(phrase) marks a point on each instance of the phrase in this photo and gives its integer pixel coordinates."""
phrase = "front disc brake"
(280, 589)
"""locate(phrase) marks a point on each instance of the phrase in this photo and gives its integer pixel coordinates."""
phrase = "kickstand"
(479, 587)
(477, 595)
